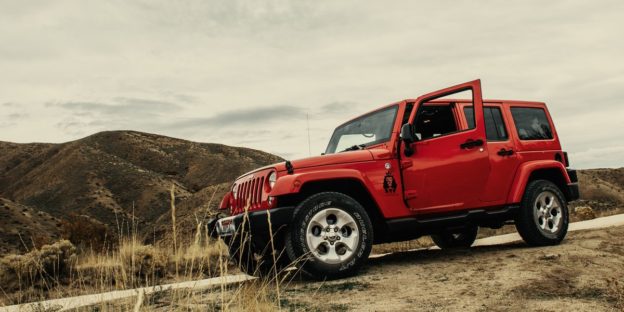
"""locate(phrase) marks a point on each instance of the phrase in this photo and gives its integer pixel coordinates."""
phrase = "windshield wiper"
(354, 148)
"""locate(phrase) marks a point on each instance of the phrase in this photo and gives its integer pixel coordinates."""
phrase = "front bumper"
(260, 225)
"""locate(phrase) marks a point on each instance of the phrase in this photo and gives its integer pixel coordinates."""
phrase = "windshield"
(367, 130)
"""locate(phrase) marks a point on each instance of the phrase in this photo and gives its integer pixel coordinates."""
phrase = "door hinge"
(406, 164)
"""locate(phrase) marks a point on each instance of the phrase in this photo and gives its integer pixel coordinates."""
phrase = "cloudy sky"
(247, 73)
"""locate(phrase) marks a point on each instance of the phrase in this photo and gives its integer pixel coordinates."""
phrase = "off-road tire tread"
(524, 220)
(322, 271)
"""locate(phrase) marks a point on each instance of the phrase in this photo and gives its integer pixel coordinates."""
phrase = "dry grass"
(41, 268)
(62, 270)
(57, 270)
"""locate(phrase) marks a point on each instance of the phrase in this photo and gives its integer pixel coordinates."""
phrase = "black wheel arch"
(553, 175)
(348, 186)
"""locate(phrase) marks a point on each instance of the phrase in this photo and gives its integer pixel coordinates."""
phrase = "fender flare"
(292, 183)
(524, 172)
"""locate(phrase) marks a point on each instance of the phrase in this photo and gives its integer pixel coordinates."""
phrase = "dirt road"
(574, 276)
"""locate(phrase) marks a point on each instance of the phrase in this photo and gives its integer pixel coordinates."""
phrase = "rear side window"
(494, 124)
(531, 123)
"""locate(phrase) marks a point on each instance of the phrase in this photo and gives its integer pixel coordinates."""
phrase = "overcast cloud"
(249, 72)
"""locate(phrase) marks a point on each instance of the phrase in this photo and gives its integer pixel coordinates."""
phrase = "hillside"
(22, 226)
(602, 188)
(111, 176)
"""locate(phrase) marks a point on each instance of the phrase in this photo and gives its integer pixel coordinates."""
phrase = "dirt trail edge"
(64, 304)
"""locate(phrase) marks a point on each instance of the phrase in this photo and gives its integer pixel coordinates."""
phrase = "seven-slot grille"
(250, 193)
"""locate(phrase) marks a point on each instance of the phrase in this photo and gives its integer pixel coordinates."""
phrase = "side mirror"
(408, 137)
(407, 133)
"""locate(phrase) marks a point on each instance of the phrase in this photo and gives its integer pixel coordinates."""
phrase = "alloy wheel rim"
(332, 235)
(548, 213)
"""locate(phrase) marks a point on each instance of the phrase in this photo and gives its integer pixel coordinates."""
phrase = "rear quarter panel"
(532, 154)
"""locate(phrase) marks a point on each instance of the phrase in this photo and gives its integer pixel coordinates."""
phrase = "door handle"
(470, 143)
(504, 152)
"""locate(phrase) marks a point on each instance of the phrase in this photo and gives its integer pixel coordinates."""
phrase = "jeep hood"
(331, 159)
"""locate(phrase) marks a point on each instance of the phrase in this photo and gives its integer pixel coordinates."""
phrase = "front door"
(449, 167)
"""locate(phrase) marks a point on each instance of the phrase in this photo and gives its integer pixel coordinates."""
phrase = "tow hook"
(212, 225)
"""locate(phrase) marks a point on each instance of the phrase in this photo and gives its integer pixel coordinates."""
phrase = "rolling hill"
(119, 176)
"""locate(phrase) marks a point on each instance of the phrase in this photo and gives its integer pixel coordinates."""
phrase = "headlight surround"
(272, 179)
(234, 190)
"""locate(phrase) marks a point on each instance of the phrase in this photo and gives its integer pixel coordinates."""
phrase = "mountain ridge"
(118, 177)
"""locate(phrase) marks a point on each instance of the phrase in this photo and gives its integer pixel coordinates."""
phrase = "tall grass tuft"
(173, 225)
(62, 270)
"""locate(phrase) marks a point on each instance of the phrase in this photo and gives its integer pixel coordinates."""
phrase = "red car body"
(416, 188)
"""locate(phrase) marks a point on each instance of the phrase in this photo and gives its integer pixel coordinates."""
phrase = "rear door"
(449, 168)
(501, 150)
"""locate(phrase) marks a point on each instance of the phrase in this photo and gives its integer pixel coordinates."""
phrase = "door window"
(438, 117)
(434, 121)
(494, 125)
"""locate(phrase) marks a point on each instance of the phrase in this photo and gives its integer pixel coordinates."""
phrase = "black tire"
(528, 219)
(460, 239)
(309, 261)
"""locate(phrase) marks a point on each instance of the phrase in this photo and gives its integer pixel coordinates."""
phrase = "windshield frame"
(394, 107)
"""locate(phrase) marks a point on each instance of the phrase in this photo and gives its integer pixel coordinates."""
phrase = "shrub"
(58, 259)
(41, 268)
(86, 233)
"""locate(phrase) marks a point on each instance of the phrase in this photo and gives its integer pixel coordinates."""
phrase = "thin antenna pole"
(308, 126)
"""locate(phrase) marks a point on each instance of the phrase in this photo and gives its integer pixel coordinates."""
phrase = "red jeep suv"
(427, 166)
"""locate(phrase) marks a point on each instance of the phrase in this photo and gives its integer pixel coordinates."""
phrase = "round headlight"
(234, 190)
(272, 179)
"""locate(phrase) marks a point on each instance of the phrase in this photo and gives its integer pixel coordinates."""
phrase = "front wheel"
(459, 239)
(331, 236)
(543, 216)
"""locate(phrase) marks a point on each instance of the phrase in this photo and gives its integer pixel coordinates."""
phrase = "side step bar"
(414, 227)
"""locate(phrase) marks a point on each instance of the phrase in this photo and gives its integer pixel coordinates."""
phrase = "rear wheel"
(543, 216)
(459, 239)
(331, 236)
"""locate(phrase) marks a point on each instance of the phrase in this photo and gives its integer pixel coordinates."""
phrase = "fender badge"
(389, 184)
(388, 166)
